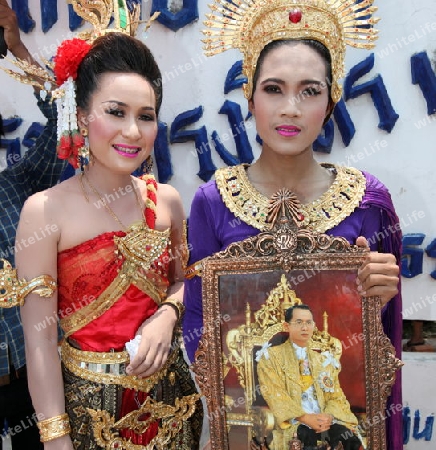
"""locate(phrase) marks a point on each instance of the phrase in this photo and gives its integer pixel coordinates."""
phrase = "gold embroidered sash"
(140, 247)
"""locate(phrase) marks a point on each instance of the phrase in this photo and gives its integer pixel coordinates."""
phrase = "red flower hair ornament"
(68, 58)
(66, 63)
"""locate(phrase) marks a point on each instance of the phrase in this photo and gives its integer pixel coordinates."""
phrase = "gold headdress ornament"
(71, 145)
(99, 13)
(249, 25)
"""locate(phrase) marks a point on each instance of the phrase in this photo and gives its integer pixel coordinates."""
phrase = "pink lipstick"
(288, 130)
(129, 151)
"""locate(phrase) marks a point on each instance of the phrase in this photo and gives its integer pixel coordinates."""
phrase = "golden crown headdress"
(249, 25)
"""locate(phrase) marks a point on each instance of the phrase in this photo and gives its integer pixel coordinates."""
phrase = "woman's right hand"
(61, 443)
(156, 332)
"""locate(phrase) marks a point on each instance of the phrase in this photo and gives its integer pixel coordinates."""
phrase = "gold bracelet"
(54, 428)
(177, 305)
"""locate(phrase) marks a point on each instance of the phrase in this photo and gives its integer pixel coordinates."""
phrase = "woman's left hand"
(157, 333)
(378, 275)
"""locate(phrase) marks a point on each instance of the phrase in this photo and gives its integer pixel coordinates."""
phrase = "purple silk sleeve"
(212, 227)
(391, 242)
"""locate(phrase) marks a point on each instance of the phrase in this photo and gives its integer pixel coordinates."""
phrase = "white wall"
(419, 394)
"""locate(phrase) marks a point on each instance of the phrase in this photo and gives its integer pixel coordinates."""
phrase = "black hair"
(116, 53)
(289, 313)
(320, 48)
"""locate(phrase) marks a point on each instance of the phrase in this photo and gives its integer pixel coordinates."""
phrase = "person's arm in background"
(40, 168)
(8, 20)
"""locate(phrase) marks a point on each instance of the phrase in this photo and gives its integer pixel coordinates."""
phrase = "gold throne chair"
(262, 329)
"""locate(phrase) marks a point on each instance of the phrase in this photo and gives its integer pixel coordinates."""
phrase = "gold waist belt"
(109, 368)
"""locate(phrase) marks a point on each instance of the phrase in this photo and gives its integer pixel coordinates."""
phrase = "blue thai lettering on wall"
(162, 154)
(423, 75)
(425, 434)
(234, 79)
(412, 257)
(25, 21)
(239, 134)
(175, 20)
(376, 88)
(74, 20)
(199, 136)
(49, 14)
(431, 253)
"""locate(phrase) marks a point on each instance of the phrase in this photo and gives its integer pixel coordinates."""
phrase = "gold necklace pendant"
(105, 203)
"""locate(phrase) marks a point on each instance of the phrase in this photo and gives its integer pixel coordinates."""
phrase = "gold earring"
(84, 150)
(148, 168)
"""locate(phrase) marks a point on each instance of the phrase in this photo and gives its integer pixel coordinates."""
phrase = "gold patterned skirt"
(95, 384)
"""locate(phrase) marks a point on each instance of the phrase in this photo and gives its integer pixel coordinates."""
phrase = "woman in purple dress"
(293, 59)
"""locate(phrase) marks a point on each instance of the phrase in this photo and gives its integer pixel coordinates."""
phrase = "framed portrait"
(243, 367)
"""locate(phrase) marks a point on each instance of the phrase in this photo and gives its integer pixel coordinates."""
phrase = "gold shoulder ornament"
(249, 25)
(13, 291)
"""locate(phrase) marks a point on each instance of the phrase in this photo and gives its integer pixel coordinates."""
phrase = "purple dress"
(212, 227)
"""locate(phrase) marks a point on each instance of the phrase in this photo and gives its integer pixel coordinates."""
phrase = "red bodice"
(84, 272)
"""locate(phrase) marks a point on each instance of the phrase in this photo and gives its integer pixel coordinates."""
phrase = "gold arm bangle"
(13, 291)
(54, 428)
(176, 304)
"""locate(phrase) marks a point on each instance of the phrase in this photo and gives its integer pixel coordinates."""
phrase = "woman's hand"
(378, 275)
(157, 333)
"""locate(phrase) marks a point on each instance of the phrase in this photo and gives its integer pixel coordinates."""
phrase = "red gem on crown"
(295, 15)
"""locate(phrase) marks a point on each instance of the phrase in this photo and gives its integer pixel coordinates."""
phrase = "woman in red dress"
(114, 244)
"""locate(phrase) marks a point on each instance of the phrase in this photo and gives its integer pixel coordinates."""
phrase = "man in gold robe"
(301, 387)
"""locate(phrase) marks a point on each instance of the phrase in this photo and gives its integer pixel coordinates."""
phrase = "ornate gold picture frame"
(246, 290)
